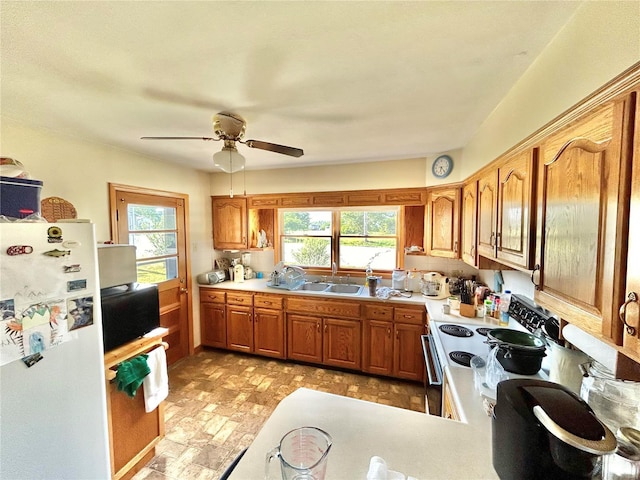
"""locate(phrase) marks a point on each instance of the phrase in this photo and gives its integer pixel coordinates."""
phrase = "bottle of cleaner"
(505, 301)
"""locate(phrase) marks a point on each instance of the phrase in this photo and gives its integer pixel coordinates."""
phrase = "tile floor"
(218, 402)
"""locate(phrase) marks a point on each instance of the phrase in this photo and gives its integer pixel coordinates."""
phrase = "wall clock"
(442, 166)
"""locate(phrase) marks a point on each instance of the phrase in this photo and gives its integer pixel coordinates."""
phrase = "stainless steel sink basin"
(340, 288)
(314, 287)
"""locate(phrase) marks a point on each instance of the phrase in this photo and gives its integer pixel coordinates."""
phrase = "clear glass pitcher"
(303, 454)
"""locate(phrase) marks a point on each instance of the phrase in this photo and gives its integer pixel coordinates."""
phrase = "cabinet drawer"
(378, 312)
(211, 296)
(332, 307)
(409, 315)
(268, 301)
(234, 298)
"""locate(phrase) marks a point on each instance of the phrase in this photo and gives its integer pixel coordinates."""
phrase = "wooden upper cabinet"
(469, 227)
(631, 312)
(487, 213)
(514, 233)
(581, 244)
(443, 222)
(229, 223)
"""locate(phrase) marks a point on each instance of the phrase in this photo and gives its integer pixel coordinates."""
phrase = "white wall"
(597, 44)
(80, 171)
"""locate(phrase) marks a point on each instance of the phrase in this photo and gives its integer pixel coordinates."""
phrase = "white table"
(414, 443)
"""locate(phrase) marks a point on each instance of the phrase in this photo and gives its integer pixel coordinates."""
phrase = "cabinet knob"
(622, 313)
(533, 272)
(389, 332)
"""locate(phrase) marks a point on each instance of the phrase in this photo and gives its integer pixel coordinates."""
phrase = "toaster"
(210, 278)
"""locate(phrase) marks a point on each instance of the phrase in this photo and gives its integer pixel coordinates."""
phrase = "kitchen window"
(353, 238)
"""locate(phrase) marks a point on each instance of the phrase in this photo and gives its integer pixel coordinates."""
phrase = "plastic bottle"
(505, 301)
(488, 304)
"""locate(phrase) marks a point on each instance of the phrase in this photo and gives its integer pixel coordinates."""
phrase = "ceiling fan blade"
(180, 138)
(274, 147)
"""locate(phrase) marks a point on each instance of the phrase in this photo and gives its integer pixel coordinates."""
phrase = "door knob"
(184, 290)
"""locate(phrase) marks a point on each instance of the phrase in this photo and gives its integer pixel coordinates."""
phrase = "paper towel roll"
(596, 349)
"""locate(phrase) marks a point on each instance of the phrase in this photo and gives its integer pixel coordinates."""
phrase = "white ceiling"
(345, 81)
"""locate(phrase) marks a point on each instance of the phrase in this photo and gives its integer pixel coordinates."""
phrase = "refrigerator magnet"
(75, 285)
(71, 268)
(19, 250)
(55, 234)
(80, 312)
(57, 253)
(31, 360)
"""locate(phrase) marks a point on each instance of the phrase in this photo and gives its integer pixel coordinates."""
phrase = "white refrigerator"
(53, 411)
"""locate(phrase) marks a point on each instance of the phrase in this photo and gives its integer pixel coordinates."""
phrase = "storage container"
(19, 197)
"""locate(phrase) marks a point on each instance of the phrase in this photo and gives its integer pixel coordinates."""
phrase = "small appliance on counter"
(210, 278)
(542, 429)
(434, 285)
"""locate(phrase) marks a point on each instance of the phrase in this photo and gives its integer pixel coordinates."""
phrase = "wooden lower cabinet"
(213, 324)
(268, 332)
(378, 347)
(341, 343)
(239, 328)
(408, 361)
(304, 338)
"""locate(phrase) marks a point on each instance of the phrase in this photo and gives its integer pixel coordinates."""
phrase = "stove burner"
(483, 331)
(456, 330)
(461, 358)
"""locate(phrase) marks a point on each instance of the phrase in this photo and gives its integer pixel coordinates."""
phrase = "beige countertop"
(260, 285)
(416, 444)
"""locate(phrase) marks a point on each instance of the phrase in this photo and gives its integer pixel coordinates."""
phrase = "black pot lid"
(515, 337)
(570, 419)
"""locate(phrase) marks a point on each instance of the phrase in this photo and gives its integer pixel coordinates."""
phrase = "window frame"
(335, 237)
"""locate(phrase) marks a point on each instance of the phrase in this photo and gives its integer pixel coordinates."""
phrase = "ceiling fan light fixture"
(229, 160)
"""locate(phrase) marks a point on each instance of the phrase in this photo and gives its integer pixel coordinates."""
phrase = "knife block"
(467, 310)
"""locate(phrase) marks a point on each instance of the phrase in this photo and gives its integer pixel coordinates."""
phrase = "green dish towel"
(131, 373)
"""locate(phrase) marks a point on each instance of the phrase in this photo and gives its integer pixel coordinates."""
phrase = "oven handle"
(432, 363)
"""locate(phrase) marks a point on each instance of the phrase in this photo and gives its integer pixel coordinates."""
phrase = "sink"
(340, 288)
(314, 287)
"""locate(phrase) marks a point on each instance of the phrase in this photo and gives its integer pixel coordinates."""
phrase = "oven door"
(431, 361)
(433, 380)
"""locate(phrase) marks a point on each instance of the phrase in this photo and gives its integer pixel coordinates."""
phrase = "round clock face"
(442, 166)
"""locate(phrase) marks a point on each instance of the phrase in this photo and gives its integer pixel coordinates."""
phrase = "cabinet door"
(378, 347)
(341, 343)
(213, 325)
(580, 253)
(487, 205)
(268, 332)
(239, 328)
(229, 223)
(515, 206)
(443, 229)
(469, 227)
(408, 361)
(304, 338)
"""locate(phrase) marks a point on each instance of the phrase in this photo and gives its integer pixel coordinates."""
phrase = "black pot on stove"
(518, 352)
(542, 430)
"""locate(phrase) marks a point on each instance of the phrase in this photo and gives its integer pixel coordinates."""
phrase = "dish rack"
(290, 279)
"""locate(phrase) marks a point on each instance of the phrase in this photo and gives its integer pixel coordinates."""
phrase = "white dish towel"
(378, 470)
(156, 384)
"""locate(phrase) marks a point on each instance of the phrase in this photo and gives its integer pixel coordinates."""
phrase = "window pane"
(156, 271)
(307, 251)
(148, 217)
(306, 223)
(154, 244)
(358, 253)
(368, 222)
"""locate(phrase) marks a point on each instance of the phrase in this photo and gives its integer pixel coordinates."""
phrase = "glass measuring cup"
(303, 454)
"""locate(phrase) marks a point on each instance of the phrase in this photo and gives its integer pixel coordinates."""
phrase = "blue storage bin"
(19, 197)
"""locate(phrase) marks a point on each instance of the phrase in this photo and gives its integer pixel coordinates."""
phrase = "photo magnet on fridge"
(75, 285)
(80, 312)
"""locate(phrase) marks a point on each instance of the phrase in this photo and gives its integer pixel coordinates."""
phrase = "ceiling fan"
(230, 128)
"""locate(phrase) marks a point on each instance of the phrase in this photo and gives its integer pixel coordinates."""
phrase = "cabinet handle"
(389, 332)
(473, 250)
(499, 239)
(407, 316)
(249, 317)
(266, 302)
(397, 334)
(325, 328)
(318, 326)
(535, 268)
(455, 247)
(492, 238)
(632, 297)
